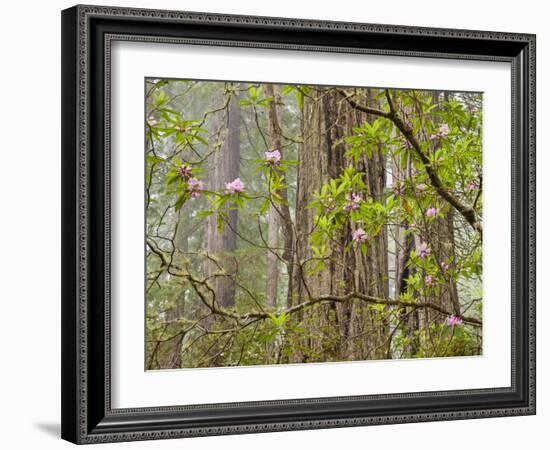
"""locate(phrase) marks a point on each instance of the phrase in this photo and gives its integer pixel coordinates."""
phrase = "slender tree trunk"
(405, 243)
(224, 167)
(274, 132)
(441, 238)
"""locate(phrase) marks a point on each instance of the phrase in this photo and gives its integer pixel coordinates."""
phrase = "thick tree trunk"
(371, 268)
(223, 168)
(326, 120)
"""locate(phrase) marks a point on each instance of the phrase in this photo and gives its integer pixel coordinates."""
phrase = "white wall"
(30, 223)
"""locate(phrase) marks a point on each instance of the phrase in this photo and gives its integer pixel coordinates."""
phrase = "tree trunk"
(405, 243)
(441, 237)
(274, 132)
(326, 120)
(223, 168)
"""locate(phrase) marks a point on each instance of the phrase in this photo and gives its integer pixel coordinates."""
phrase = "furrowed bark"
(223, 168)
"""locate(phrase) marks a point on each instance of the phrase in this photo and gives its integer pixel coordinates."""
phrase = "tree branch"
(466, 211)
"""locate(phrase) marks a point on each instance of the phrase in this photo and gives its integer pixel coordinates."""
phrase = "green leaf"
(279, 320)
(204, 214)
(152, 159)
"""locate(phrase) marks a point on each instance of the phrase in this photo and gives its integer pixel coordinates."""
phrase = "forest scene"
(310, 224)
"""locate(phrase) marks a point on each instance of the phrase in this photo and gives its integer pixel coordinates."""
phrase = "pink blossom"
(195, 187)
(429, 280)
(423, 251)
(442, 133)
(329, 204)
(235, 187)
(354, 202)
(454, 320)
(360, 235)
(421, 187)
(445, 266)
(472, 185)
(273, 158)
(185, 170)
(432, 212)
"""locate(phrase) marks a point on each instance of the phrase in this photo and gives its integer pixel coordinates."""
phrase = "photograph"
(293, 224)
(291, 219)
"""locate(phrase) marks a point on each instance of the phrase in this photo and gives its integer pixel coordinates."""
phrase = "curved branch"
(466, 211)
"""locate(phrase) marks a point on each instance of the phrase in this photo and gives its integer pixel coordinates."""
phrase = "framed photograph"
(280, 224)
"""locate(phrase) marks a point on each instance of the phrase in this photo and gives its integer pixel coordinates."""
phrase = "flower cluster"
(185, 171)
(454, 320)
(442, 133)
(195, 187)
(432, 212)
(273, 158)
(423, 251)
(329, 205)
(429, 280)
(360, 235)
(354, 202)
(235, 187)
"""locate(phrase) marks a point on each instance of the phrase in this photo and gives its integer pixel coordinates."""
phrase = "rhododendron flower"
(185, 170)
(424, 251)
(454, 320)
(354, 202)
(472, 185)
(329, 204)
(360, 235)
(195, 187)
(273, 158)
(429, 280)
(235, 187)
(442, 133)
(432, 212)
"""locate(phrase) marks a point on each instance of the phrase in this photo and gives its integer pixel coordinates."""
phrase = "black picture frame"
(87, 416)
